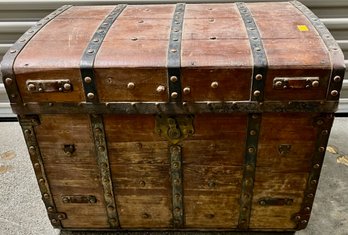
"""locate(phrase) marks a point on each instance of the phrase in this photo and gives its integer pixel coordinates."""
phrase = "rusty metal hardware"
(56, 217)
(79, 199)
(268, 201)
(295, 82)
(43, 86)
(69, 149)
(284, 149)
(174, 55)
(174, 129)
(175, 155)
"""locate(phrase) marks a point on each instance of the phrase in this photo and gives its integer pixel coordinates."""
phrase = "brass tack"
(36, 165)
(258, 77)
(50, 209)
(130, 85)
(8, 81)
(173, 78)
(142, 183)
(315, 83)
(88, 79)
(334, 92)
(160, 89)
(32, 150)
(321, 149)
(316, 166)
(337, 79)
(175, 165)
(297, 217)
(252, 132)
(45, 195)
(67, 86)
(90, 95)
(251, 149)
(41, 181)
(325, 132)
(257, 93)
(174, 95)
(54, 221)
(214, 85)
(187, 90)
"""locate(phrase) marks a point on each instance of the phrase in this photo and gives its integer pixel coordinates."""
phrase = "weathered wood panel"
(77, 174)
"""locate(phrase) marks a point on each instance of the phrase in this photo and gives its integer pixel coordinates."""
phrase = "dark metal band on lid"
(259, 55)
(177, 185)
(88, 57)
(10, 57)
(337, 73)
(174, 54)
(28, 123)
(323, 124)
(246, 197)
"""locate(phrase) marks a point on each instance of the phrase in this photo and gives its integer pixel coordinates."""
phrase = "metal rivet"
(176, 181)
(173, 78)
(304, 221)
(45, 195)
(175, 39)
(174, 95)
(321, 149)
(258, 77)
(262, 202)
(334, 93)
(140, 21)
(32, 150)
(251, 149)
(316, 166)
(173, 50)
(257, 93)
(104, 165)
(257, 49)
(95, 40)
(61, 217)
(314, 182)
(90, 51)
(212, 38)
(307, 209)
(13, 51)
(92, 200)
(27, 132)
(130, 85)
(13, 95)
(36, 165)
(175, 165)
(297, 217)
(101, 148)
(337, 78)
(50, 209)
(252, 132)
(98, 130)
(22, 40)
(187, 90)
(214, 85)
(88, 79)
(31, 87)
(320, 122)
(106, 180)
(54, 221)
(90, 95)
(142, 183)
(278, 84)
(325, 132)
(8, 81)
(310, 195)
(41, 180)
(315, 83)
(67, 86)
(177, 210)
(160, 89)
(211, 20)
(134, 39)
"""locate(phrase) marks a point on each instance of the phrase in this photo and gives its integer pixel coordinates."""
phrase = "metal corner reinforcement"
(88, 57)
(174, 54)
(8, 75)
(259, 55)
(249, 167)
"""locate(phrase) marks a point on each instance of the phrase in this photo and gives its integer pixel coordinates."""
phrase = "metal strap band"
(174, 54)
(8, 75)
(104, 167)
(88, 57)
(259, 55)
(28, 123)
(323, 125)
(337, 73)
(246, 197)
(177, 186)
(173, 108)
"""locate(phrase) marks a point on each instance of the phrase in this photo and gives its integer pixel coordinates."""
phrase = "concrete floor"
(22, 212)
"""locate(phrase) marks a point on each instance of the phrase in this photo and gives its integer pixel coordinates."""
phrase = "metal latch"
(295, 82)
(174, 129)
(37, 86)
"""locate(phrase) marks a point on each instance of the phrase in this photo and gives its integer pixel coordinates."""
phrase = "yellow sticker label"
(302, 28)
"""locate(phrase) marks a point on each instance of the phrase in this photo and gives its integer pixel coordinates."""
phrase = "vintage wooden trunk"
(177, 116)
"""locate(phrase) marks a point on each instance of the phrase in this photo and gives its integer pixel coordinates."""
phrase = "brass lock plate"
(295, 82)
(174, 128)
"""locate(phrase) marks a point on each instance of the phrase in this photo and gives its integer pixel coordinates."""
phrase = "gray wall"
(16, 16)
